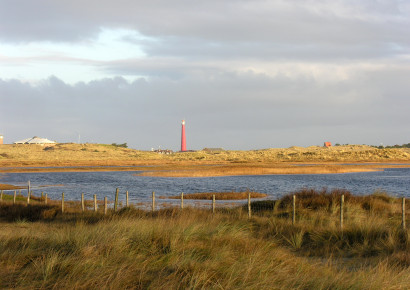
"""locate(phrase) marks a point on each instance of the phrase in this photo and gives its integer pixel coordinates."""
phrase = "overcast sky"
(244, 74)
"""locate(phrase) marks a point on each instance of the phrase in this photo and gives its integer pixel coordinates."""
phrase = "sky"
(243, 74)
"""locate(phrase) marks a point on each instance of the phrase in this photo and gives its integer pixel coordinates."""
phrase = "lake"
(395, 181)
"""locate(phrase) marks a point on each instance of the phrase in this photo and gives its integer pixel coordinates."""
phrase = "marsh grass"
(229, 195)
(10, 187)
(193, 248)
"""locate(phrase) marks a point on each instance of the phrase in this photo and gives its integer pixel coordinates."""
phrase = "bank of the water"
(395, 181)
(190, 169)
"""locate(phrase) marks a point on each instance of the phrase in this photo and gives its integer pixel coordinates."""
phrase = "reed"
(193, 248)
(229, 195)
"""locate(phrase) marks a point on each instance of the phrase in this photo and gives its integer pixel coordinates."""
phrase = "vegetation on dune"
(193, 248)
(100, 152)
(93, 157)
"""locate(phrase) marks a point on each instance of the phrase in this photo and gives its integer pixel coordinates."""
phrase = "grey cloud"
(259, 29)
(235, 111)
(194, 53)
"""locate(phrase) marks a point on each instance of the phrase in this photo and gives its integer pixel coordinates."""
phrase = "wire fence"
(339, 211)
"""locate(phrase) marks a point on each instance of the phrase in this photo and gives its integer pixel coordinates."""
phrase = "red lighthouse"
(183, 139)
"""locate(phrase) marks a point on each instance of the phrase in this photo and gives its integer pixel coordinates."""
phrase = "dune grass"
(228, 195)
(193, 248)
(100, 157)
(10, 187)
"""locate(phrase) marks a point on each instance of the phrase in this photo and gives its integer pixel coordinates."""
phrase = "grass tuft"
(193, 248)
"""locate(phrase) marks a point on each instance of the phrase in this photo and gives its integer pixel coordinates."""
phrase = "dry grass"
(172, 249)
(230, 195)
(10, 187)
(255, 169)
(92, 157)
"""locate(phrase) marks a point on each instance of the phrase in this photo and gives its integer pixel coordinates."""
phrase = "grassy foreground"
(191, 248)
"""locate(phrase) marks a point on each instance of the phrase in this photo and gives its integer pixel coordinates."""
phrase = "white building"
(35, 140)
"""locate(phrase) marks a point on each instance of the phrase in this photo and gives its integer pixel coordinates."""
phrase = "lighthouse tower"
(183, 139)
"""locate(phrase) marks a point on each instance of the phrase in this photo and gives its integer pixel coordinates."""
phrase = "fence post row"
(249, 205)
(105, 205)
(126, 199)
(153, 201)
(28, 192)
(341, 218)
(62, 202)
(342, 201)
(116, 199)
(82, 202)
(403, 213)
(95, 202)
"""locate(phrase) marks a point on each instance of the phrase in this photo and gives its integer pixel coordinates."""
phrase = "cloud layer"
(245, 74)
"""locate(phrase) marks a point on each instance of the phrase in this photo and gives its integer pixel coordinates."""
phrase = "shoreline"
(199, 169)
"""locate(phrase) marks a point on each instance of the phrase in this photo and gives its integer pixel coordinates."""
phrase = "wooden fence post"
(28, 197)
(342, 201)
(45, 199)
(1, 196)
(182, 200)
(62, 202)
(403, 213)
(14, 197)
(249, 206)
(293, 209)
(82, 202)
(95, 203)
(213, 203)
(126, 199)
(153, 201)
(28, 191)
(116, 199)
(42, 195)
(105, 205)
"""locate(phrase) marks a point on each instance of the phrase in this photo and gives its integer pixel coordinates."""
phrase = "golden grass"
(10, 186)
(41, 248)
(230, 195)
(256, 169)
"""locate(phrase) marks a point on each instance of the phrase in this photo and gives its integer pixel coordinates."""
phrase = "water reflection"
(395, 181)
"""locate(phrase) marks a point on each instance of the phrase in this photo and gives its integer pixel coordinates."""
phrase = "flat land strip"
(293, 160)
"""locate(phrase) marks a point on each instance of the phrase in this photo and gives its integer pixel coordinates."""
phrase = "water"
(395, 181)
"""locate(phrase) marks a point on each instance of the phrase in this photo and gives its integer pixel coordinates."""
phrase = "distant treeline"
(123, 145)
(394, 146)
(382, 146)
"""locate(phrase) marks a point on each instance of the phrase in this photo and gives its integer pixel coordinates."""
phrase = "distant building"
(36, 140)
(1, 139)
(327, 144)
(163, 151)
